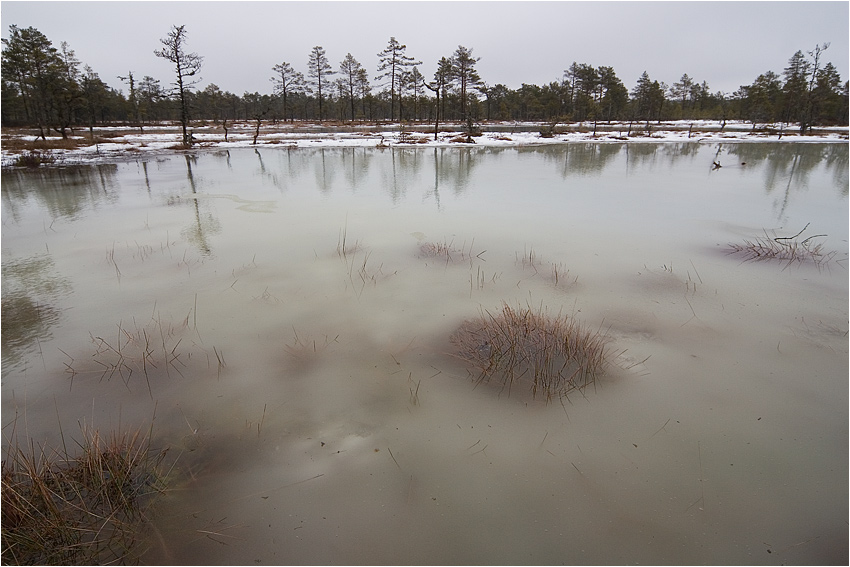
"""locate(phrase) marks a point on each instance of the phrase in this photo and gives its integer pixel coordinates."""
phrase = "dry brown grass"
(553, 355)
(81, 509)
(446, 250)
(787, 249)
(16, 144)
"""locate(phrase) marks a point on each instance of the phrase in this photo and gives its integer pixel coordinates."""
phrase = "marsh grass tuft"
(451, 253)
(787, 249)
(85, 508)
(554, 355)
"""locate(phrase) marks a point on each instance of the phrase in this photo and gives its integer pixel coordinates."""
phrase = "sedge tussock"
(552, 355)
(81, 509)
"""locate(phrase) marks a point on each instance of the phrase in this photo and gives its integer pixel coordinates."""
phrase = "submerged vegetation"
(555, 355)
(84, 506)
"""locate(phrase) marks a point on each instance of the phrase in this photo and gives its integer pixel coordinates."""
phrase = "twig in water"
(393, 456)
(661, 428)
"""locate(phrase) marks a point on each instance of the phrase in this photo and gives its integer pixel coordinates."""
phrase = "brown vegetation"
(84, 509)
(786, 249)
(554, 355)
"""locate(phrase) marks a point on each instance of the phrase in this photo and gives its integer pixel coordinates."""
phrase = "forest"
(48, 88)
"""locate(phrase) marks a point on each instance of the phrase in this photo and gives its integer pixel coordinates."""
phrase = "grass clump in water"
(786, 249)
(554, 355)
(84, 509)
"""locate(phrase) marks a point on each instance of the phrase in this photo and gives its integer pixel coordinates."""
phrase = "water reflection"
(31, 288)
(324, 174)
(205, 224)
(457, 167)
(588, 159)
(355, 165)
(63, 192)
(787, 168)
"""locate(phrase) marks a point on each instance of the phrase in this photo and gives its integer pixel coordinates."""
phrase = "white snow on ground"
(166, 138)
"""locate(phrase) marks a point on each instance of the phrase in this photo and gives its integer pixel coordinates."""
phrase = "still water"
(299, 361)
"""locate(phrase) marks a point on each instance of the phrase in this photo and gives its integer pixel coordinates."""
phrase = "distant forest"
(50, 89)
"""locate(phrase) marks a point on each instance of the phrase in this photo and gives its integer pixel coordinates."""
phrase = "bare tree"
(187, 65)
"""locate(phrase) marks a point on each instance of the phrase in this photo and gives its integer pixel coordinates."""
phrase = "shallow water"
(299, 359)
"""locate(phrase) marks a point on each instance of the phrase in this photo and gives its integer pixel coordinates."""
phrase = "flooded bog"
(284, 320)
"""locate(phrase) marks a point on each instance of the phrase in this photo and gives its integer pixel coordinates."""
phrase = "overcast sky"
(725, 43)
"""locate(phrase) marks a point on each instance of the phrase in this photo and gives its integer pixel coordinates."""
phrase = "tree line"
(50, 89)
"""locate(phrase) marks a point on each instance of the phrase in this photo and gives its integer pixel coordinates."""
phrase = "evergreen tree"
(826, 97)
(286, 82)
(794, 88)
(133, 100)
(614, 97)
(814, 68)
(363, 89)
(585, 82)
(33, 66)
(761, 101)
(94, 94)
(417, 86)
(319, 70)
(641, 97)
(394, 63)
(465, 76)
(682, 90)
(350, 71)
(150, 95)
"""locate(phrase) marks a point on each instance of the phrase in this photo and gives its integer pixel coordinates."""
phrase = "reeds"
(82, 509)
(786, 249)
(554, 355)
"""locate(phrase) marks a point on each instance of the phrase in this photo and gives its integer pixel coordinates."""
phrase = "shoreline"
(115, 144)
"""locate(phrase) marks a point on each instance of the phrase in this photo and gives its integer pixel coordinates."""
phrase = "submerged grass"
(448, 251)
(554, 355)
(84, 508)
(787, 249)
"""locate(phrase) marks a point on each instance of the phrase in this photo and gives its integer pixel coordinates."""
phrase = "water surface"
(298, 355)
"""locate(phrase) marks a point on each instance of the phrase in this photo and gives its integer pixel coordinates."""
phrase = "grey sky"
(727, 44)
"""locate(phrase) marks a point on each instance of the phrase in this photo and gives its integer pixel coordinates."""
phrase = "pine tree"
(442, 77)
(794, 88)
(682, 91)
(465, 76)
(186, 66)
(319, 70)
(33, 66)
(286, 81)
(641, 97)
(350, 71)
(394, 62)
